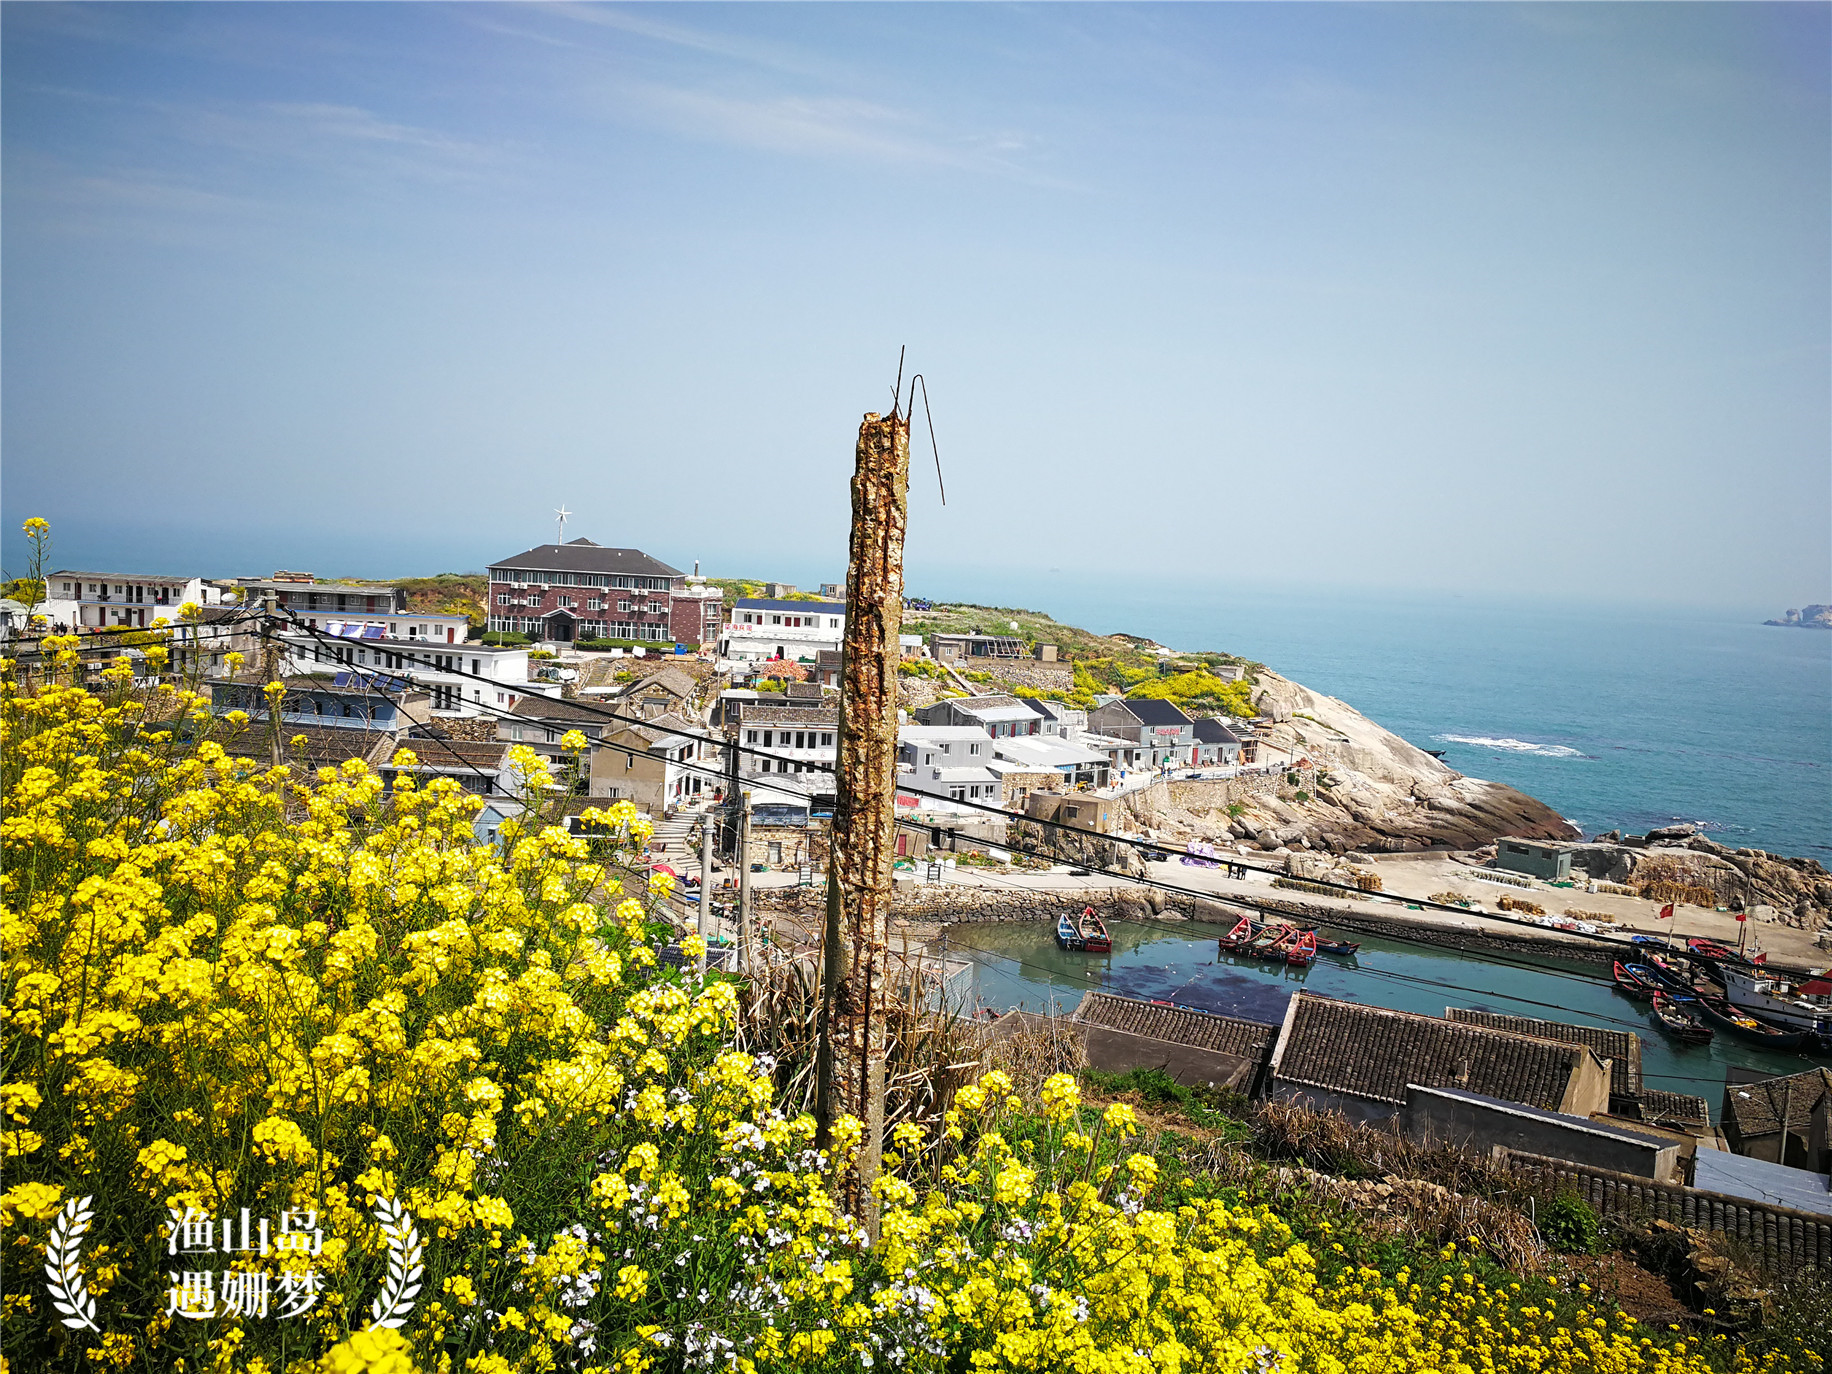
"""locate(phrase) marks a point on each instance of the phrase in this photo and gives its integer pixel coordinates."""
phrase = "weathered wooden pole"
(850, 1071)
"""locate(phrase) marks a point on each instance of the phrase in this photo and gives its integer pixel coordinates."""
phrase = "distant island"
(1807, 618)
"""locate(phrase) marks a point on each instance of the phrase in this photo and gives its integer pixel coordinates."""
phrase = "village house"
(448, 671)
(959, 648)
(478, 766)
(998, 715)
(562, 593)
(84, 602)
(1215, 743)
(1081, 810)
(797, 738)
(1199, 1048)
(1064, 764)
(764, 628)
(670, 689)
(660, 765)
(1363, 1061)
(1754, 1114)
(1157, 731)
(339, 703)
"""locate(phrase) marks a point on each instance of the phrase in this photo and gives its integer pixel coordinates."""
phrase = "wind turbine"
(562, 512)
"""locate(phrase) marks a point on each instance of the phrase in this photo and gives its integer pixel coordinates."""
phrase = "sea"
(1620, 718)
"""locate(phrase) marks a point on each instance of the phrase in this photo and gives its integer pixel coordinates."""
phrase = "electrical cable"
(605, 713)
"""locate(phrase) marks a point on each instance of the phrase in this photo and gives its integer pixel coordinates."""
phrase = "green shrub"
(506, 637)
(1570, 1224)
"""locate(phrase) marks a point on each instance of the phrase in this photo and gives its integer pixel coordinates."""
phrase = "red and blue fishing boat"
(1067, 934)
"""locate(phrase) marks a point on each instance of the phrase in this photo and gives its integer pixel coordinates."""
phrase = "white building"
(1076, 763)
(768, 629)
(87, 601)
(945, 746)
(799, 739)
(447, 671)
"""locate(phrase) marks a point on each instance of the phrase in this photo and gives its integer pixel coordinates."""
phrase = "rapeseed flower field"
(241, 993)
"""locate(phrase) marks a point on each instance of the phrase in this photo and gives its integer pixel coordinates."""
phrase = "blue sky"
(1509, 300)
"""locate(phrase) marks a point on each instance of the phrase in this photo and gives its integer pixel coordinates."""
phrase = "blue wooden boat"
(1066, 933)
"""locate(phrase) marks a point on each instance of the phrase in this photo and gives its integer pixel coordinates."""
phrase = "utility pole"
(270, 672)
(705, 924)
(747, 945)
(849, 1076)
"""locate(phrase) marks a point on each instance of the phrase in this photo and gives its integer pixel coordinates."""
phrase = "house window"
(775, 851)
(973, 748)
(623, 606)
(827, 739)
(775, 620)
(595, 603)
(504, 601)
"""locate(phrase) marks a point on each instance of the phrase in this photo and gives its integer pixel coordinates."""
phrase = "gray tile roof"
(1373, 1052)
(1180, 1025)
(581, 555)
(1755, 1108)
(813, 714)
(1682, 1111)
(1153, 711)
(1621, 1048)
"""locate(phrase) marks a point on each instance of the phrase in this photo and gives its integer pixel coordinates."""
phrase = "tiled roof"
(581, 555)
(763, 603)
(1756, 1107)
(1660, 1108)
(537, 707)
(811, 714)
(1211, 731)
(669, 679)
(321, 748)
(1372, 1052)
(1202, 1030)
(1621, 1048)
(459, 754)
(1151, 711)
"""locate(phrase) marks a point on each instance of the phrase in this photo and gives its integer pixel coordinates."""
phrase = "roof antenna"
(562, 512)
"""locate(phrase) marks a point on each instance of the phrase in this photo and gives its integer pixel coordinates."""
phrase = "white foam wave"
(1516, 746)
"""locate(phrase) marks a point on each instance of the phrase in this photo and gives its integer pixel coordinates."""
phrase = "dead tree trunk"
(850, 1077)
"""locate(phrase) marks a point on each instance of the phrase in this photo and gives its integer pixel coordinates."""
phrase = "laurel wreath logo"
(64, 1265)
(404, 1266)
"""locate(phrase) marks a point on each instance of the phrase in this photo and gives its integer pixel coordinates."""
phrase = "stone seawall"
(950, 905)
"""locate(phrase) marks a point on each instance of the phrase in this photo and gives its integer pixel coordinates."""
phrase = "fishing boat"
(1711, 949)
(1636, 980)
(1792, 1006)
(1302, 952)
(1094, 937)
(1335, 946)
(1237, 938)
(1667, 975)
(1678, 1020)
(1268, 939)
(1718, 1011)
(1066, 933)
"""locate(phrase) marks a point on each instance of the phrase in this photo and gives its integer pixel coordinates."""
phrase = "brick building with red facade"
(581, 590)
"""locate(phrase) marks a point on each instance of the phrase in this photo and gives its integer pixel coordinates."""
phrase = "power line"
(592, 709)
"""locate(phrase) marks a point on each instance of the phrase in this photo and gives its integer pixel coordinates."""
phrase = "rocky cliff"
(1806, 618)
(1364, 788)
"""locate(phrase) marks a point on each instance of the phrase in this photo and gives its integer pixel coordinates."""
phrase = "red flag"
(1761, 958)
(1742, 916)
(1666, 912)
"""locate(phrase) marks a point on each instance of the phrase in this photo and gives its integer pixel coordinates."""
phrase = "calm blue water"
(1618, 718)
(1020, 965)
